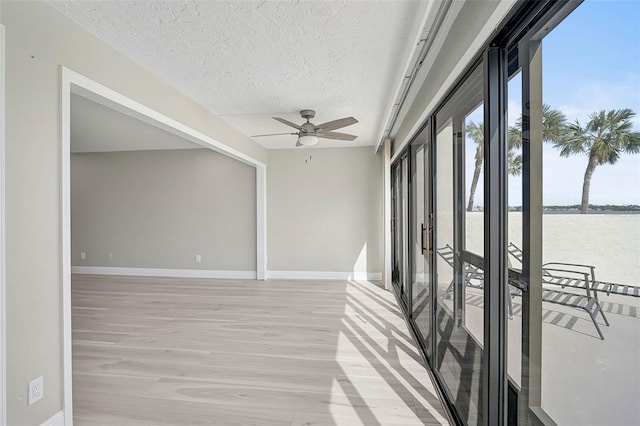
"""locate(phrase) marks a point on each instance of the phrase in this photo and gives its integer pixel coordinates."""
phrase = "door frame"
(423, 140)
(73, 82)
(3, 384)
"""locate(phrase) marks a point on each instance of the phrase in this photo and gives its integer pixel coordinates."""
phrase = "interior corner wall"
(39, 40)
(325, 215)
(159, 209)
(448, 64)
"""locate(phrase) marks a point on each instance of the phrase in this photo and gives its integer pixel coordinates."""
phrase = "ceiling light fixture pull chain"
(308, 159)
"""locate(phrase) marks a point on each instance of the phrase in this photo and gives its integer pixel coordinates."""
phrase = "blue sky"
(591, 61)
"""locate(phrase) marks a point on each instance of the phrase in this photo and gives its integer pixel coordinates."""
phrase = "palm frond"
(514, 163)
(554, 124)
(476, 132)
(573, 141)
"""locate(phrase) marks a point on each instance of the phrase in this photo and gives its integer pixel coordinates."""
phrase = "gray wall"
(324, 215)
(158, 209)
(38, 41)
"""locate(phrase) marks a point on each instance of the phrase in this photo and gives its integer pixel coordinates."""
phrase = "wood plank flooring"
(165, 351)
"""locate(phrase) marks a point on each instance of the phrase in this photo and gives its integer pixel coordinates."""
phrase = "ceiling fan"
(309, 133)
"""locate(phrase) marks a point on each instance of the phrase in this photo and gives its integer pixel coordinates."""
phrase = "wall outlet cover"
(36, 390)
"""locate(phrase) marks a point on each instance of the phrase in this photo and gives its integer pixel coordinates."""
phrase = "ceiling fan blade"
(273, 134)
(337, 136)
(288, 123)
(298, 144)
(336, 124)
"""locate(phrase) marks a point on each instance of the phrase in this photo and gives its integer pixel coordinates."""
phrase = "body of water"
(591, 212)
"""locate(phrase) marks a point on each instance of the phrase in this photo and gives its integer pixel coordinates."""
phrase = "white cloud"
(592, 96)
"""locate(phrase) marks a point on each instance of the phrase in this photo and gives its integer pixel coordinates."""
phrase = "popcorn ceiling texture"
(247, 61)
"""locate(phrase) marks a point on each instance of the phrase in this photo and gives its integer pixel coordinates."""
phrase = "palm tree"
(554, 129)
(604, 138)
(476, 133)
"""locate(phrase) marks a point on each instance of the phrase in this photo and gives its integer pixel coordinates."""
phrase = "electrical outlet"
(110, 256)
(198, 258)
(83, 255)
(36, 390)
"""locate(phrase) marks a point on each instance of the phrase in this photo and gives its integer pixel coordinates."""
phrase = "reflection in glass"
(444, 215)
(405, 229)
(514, 235)
(474, 221)
(396, 223)
(421, 293)
(459, 319)
(590, 353)
(474, 182)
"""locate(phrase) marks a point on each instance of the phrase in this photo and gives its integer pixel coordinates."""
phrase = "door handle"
(423, 238)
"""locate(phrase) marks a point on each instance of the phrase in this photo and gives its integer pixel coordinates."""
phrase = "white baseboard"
(56, 420)
(240, 275)
(322, 275)
(154, 272)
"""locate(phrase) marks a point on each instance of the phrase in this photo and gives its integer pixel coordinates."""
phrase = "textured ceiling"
(97, 128)
(249, 60)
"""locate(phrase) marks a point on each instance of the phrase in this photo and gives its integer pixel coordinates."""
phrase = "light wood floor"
(213, 352)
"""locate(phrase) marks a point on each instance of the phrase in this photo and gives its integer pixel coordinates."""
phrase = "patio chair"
(571, 275)
(595, 285)
(472, 275)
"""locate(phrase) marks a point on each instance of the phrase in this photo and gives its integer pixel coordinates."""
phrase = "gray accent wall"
(159, 209)
(324, 214)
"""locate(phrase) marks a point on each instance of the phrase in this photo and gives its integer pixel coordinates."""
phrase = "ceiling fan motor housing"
(308, 128)
(308, 113)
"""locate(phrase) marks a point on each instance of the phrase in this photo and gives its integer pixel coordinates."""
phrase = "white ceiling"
(247, 61)
(97, 128)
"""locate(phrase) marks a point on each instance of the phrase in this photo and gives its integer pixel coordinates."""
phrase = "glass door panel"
(400, 218)
(421, 292)
(590, 141)
(404, 285)
(396, 225)
(459, 276)
(473, 223)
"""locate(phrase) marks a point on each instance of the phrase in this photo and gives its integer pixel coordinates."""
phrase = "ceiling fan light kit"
(308, 140)
(309, 134)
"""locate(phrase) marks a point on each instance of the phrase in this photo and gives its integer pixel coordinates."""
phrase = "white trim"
(72, 82)
(409, 59)
(95, 91)
(322, 275)
(56, 420)
(157, 272)
(261, 222)
(386, 224)
(492, 23)
(3, 341)
(65, 163)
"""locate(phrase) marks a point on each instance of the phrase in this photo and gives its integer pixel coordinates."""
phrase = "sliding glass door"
(516, 232)
(400, 228)
(459, 214)
(422, 306)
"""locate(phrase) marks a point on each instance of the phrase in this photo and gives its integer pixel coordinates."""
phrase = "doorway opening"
(82, 88)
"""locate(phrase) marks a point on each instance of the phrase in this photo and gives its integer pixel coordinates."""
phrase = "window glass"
(591, 225)
(460, 279)
(514, 223)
